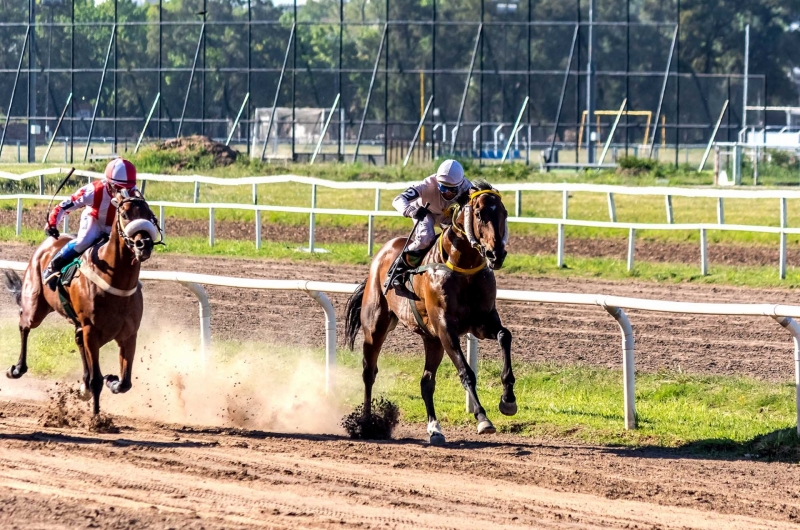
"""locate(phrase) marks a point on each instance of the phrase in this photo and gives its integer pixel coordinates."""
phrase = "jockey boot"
(408, 261)
(59, 261)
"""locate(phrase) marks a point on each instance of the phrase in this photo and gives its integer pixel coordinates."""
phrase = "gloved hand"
(51, 231)
(420, 213)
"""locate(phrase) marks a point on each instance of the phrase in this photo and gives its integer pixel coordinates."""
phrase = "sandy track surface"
(155, 475)
(755, 346)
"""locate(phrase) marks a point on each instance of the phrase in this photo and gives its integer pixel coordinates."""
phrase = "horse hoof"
(486, 427)
(15, 372)
(83, 393)
(437, 439)
(508, 409)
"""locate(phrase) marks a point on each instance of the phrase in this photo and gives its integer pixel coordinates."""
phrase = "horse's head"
(136, 224)
(486, 222)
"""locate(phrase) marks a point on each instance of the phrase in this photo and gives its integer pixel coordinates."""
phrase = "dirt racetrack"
(160, 474)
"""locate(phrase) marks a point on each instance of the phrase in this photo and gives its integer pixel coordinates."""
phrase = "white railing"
(614, 305)
(564, 188)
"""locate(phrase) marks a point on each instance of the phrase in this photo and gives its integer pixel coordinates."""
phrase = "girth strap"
(413, 306)
(63, 297)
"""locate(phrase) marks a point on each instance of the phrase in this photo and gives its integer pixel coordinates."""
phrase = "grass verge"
(707, 414)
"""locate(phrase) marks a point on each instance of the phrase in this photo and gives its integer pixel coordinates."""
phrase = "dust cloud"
(253, 388)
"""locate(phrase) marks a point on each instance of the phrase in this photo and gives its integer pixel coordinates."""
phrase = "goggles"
(447, 190)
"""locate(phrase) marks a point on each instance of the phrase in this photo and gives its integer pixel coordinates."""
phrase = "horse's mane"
(477, 184)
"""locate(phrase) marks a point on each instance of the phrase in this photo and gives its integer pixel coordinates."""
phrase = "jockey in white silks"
(439, 191)
(97, 218)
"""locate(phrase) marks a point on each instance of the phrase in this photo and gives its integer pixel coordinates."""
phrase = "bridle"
(468, 230)
(132, 244)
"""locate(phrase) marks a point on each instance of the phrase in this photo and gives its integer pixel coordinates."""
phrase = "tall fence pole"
(58, 126)
(611, 133)
(146, 123)
(416, 133)
(515, 130)
(99, 92)
(325, 129)
(663, 91)
(14, 88)
(466, 88)
(277, 95)
(238, 117)
(191, 76)
(713, 135)
(561, 98)
(369, 92)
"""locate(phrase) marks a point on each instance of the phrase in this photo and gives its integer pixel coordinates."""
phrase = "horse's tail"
(352, 321)
(14, 285)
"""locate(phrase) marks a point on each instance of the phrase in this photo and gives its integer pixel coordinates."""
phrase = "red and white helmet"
(120, 173)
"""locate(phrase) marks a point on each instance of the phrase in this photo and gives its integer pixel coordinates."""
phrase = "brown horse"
(105, 299)
(456, 292)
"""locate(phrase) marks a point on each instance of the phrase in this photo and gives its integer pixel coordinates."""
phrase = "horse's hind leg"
(453, 348)
(30, 316)
(127, 349)
(433, 358)
(374, 337)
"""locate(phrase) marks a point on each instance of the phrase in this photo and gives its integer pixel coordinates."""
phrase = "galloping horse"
(456, 294)
(104, 302)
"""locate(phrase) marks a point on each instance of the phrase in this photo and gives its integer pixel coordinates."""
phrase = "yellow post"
(647, 128)
(580, 130)
(422, 105)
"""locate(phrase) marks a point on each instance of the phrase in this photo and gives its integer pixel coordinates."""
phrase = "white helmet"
(450, 173)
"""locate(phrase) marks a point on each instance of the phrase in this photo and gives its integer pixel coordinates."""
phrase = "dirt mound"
(378, 426)
(67, 409)
(188, 149)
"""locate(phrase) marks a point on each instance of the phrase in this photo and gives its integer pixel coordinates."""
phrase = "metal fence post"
(518, 203)
(560, 252)
(255, 193)
(311, 218)
(628, 371)
(668, 201)
(703, 252)
(564, 204)
(258, 229)
(196, 192)
(18, 228)
(782, 263)
(720, 211)
(631, 247)
(612, 208)
(205, 319)
(211, 227)
(783, 213)
(161, 218)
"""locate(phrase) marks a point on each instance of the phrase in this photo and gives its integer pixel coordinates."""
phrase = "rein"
(129, 242)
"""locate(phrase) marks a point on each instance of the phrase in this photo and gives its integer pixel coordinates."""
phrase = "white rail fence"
(614, 305)
(565, 189)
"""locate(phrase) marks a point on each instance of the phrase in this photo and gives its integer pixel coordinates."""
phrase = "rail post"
(311, 219)
(782, 262)
(472, 360)
(564, 204)
(612, 208)
(793, 328)
(703, 252)
(628, 372)
(668, 202)
(631, 248)
(41, 184)
(205, 319)
(560, 253)
(211, 227)
(255, 193)
(161, 218)
(720, 211)
(258, 229)
(518, 203)
(370, 234)
(330, 336)
(196, 192)
(783, 213)
(18, 227)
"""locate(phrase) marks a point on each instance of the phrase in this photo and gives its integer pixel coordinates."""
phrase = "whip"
(390, 274)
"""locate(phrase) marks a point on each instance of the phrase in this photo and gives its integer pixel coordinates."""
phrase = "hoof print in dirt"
(378, 425)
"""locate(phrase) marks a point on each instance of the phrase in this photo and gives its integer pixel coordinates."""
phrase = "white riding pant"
(90, 231)
(424, 235)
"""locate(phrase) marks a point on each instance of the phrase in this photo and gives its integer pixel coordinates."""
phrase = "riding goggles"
(448, 190)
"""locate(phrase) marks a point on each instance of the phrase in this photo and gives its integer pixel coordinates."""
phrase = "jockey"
(97, 218)
(440, 191)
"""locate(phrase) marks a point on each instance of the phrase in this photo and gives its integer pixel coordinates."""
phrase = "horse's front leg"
(452, 346)
(127, 350)
(493, 329)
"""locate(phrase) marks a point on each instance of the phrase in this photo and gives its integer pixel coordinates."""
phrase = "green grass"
(524, 264)
(566, 402)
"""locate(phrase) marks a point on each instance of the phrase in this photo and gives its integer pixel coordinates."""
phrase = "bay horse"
(456, 293)
(104, 301)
